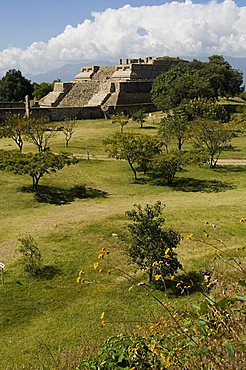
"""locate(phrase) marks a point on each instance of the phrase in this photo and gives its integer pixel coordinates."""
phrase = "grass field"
(51, 323)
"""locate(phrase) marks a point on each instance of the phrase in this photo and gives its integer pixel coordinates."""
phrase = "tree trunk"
(133, 170)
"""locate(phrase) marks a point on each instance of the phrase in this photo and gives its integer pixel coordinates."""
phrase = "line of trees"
(39, 132)
(203, 122)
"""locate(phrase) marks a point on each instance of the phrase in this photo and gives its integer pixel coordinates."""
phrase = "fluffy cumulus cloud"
(174, 28)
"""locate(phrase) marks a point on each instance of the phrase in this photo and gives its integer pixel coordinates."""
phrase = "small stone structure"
(125, 87)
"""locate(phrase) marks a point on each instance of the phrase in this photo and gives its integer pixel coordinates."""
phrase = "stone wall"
(57, 113)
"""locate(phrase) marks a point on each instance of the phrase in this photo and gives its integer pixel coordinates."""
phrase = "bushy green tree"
(212, 136)
(139, 117)
(34, 165)
(31, 255)
(150, 242)
(42, 89)
(174, 126)
(14, 86)
(137, 150)
(164, 166)
(121, 119)
(186, 81)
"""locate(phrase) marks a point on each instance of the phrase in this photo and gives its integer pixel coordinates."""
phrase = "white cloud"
(175, 29)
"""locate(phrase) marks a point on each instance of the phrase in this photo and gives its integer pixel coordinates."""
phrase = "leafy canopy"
(14, 87)
(150, 242)
(189, 80)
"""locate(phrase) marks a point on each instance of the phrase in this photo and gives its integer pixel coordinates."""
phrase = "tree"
(42, 89)
(166, 165)
(225, 80)
(137, 150)
(212, 136)
(205, 108)
(39, 132)
(189, 80)
(34, 165)
(14, 128)
(31, 259)
(211, 129)
(68, 130)
(121, 119)
(139, 117)
(151, 245)
(14, 86)
(179, 83)
(174, 126)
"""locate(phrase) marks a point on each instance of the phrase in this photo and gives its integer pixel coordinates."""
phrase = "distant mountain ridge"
(67, 72)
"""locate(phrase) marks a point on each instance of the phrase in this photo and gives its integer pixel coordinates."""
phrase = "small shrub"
(31, 256)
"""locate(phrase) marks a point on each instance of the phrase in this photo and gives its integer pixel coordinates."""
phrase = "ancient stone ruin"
(122, 88)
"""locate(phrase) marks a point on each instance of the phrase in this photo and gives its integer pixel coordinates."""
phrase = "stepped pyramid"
(125, 87)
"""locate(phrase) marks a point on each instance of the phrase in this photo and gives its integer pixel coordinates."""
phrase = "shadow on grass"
(187, 184)
(48, 272)
(229, 168)
(58, 196)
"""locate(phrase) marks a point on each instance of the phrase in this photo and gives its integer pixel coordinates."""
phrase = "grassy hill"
(53, 322)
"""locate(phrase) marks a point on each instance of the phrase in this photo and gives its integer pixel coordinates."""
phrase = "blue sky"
(25, 21)
(34, 34)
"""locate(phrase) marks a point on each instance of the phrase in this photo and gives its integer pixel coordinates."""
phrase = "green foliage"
(139, 117)
(14, 128)
(138, 150)
(31, 256)
(128, 352)
(42, 89)
(243, 95)
(121, 119)
(14, 86)
(39, 131)
(180, 83)
(166, 165)
(187, 81)
(34, 165)
(213, 137)
(174, 126)
(150, 243)
(205, 108)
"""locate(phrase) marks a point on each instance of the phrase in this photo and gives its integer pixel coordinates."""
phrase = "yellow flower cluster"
(79, 279)
(242, 219)
(102, 317)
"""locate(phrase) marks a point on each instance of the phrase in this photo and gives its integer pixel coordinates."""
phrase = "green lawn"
(45, 321)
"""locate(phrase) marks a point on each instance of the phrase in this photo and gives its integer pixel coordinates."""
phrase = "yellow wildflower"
(172, 277)
(78, 279)
(242, 219)
(100, 270)
(100, 256)
(167, 251)
(157, 277)
(102, 317)
(189, 236)
(95, 265)
(168, 362)
(81, 272)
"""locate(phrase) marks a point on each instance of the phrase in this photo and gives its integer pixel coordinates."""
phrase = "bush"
(31, 256)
